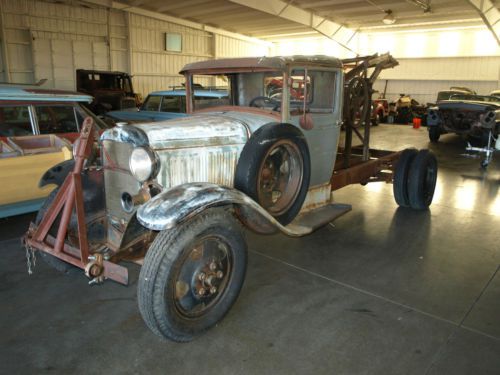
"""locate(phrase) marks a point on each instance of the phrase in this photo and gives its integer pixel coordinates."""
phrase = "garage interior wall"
(436, 60)
(43, 40)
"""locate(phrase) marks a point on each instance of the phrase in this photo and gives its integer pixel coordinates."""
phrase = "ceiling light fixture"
(389, 18)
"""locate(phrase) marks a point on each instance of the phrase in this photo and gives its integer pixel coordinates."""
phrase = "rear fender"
(181, 203)
(57, 174)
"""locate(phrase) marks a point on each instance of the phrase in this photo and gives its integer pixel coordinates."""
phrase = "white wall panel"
(62, 59)
(460, 68)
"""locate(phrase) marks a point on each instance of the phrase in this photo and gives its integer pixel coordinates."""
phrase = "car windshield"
(479, 98)
(265, 90)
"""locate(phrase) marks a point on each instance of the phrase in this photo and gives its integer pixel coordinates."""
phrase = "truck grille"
(117, 177)
(201, 164)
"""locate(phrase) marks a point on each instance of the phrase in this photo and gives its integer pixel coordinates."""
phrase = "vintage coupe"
(173, 195)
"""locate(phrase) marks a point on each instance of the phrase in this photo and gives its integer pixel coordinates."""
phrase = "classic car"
(23, 162)
(454, 90)
(495, 93)
(164, 105)
(111, 90)
(174, 195)
(475, 116)
(32, 111)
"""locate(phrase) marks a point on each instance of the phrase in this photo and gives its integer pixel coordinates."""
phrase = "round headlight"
(143, 164)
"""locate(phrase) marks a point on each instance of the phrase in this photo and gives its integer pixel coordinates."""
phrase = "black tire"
(434, 133)
(400, 183)
(422, 179)
(376, 120)
(257, 151)
(51, 260)
(158, 285)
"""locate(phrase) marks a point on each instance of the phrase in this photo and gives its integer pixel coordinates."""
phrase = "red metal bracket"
(69, 197)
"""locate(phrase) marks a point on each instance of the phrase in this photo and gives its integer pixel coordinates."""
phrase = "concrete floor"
(382, 291)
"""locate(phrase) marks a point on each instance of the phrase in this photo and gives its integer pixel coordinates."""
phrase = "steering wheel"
(262, 101)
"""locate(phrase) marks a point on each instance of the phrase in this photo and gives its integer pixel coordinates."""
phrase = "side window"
(172, 104)
(15, 121)
(323, 90)
(56, 119)
(152, 103)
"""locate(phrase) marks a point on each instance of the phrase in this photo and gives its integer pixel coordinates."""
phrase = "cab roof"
(27, 93)
(261, 63)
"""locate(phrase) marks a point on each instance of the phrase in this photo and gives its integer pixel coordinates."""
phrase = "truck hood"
(200, 130)
(205, 130)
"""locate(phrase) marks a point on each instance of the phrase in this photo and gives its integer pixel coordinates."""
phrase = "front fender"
(183, 202)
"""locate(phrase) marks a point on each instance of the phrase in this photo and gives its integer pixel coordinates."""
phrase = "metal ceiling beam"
(490, 15)
(332, 30)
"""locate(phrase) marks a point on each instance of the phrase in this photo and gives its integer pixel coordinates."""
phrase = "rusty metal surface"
(267, 63)
(364, 171)
(70, 196)
(317, 196)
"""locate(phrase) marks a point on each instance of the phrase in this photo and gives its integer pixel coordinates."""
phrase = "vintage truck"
(174, 196)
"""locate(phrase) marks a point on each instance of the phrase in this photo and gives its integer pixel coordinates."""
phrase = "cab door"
(315, 106)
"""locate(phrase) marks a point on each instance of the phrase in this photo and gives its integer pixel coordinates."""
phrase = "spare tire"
(274, 169)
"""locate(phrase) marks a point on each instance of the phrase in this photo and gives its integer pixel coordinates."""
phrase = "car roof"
(27, 93)
(264, 63)
(209, 93)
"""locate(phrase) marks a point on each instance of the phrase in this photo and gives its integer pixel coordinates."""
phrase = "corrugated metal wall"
(51, 40)
(423, 78)
(153, 67)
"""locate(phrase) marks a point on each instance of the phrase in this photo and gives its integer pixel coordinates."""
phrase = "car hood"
(468, 105)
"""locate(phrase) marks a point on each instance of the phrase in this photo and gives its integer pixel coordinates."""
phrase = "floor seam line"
(460, 325)
(454, 324)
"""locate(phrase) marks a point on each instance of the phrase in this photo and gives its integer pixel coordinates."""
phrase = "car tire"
(422, 179)
(400, 183)
(170, 280)
(434, 133)
(49, 259)
(376, 120)
(275, 151)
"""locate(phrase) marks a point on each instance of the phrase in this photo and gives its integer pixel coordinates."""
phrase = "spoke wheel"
(274, 169)
(280, 177)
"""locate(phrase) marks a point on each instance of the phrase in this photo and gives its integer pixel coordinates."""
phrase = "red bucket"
(417, 122)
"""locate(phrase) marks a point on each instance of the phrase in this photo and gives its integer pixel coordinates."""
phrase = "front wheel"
(192, 275)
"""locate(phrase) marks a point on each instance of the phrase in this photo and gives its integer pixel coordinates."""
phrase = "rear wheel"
(422, 179)
(192, 275)
(400, 185)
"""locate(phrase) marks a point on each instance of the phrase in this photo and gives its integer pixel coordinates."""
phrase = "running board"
(310, 221)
